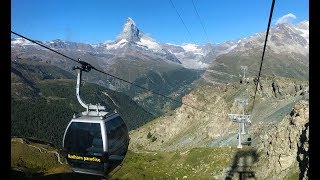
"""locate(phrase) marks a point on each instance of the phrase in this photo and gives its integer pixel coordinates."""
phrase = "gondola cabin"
(95, 142)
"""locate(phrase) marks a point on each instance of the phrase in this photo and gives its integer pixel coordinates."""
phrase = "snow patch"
(119, 44)
(150, 44)
(171, 44)
(193, 48)
(190, 47)
(21, 41)
(94, 45)
(305, 33)
(232, 47)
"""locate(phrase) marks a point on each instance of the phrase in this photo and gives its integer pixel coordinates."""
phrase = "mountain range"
(286, 55)
(291, 40)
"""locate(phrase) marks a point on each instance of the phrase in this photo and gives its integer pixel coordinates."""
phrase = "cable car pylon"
(242, 120)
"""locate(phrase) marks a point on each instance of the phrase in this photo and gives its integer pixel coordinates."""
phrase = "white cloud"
(285, 19)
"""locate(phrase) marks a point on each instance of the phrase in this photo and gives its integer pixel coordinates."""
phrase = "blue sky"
(101, 20)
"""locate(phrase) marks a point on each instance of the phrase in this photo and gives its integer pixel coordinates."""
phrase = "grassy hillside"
(37, 160)
(202, 163)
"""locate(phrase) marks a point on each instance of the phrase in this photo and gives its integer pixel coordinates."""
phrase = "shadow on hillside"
(17, 175)
(242, 164)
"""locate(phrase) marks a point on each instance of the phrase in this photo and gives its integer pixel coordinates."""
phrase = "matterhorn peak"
(130, 22)
(130, 31)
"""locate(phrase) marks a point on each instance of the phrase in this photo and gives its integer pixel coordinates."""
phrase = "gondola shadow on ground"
(243, 165)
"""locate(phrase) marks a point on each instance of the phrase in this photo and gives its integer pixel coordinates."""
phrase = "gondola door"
(84, 146)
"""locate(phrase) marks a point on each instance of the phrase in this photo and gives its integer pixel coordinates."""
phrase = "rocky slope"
(285, 147)
(187, 127)
(279, 149)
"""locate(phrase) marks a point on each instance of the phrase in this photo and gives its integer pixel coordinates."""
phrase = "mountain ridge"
(193, 55)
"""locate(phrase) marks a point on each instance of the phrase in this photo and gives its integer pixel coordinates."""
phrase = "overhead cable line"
(88, 67)
(205, 32)
(264, 49)
(181, 19)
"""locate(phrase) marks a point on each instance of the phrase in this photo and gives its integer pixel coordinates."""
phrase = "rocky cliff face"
(187, 127)
(284, 149)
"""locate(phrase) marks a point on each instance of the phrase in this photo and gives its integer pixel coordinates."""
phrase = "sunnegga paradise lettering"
(94, 159)
(75, 157)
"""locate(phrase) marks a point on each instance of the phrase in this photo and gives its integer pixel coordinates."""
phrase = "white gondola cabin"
(94, 142)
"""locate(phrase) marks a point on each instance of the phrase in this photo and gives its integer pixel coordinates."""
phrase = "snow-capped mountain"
(70, 46)
(283, 38)
(195, 56)
(21, 42)
(190, 55)
(287, 54)
(292, 39)
(55, 44)
(130, 32)
(133, 41)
